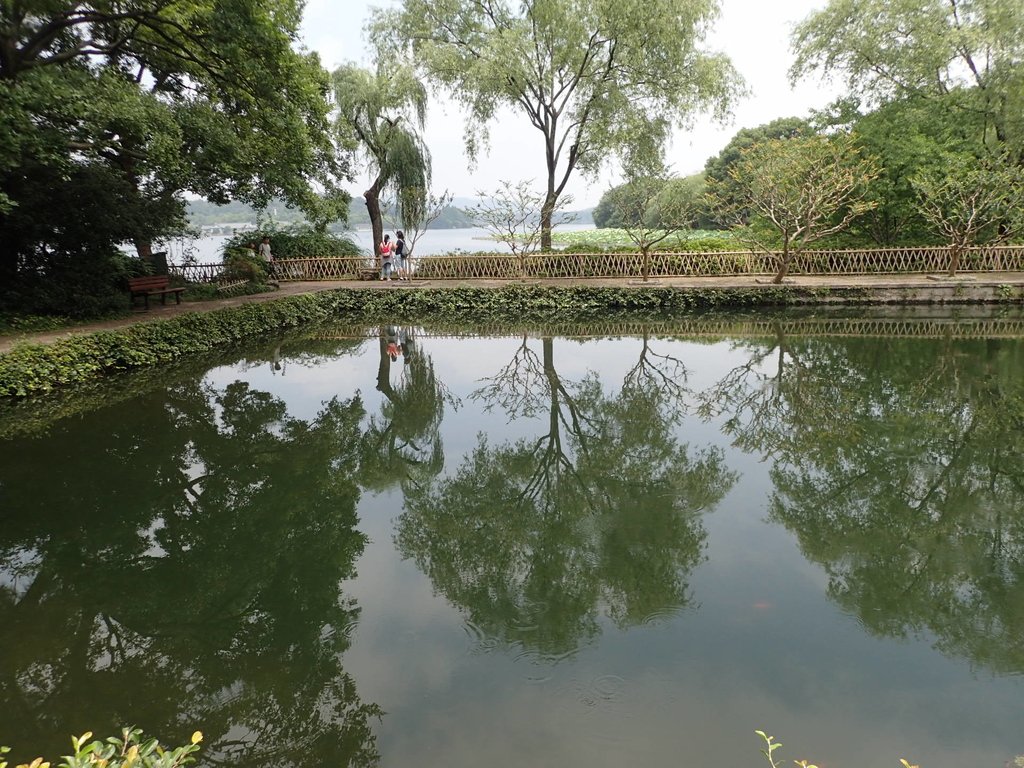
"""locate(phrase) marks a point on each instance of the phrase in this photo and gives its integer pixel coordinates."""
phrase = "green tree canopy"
(534, 539)
(718, 169)
(596, 79)
(971, 201)
(211, 98)
(795, 192)
(891, 49)
(898, 464)
(910, 136)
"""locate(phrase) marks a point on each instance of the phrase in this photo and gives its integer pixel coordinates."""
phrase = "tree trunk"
(784, 263)
(144, 244)
(954, 259)
(372, 198)
(144, 247)
(645, 270)
(384, 369)
(546, 215)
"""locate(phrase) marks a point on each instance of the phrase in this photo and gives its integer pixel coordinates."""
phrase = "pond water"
(604, 544)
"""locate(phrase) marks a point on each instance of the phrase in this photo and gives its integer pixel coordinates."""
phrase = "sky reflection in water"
(402, 546)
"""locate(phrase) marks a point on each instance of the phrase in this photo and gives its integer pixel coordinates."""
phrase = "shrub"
(80, 288)
(128, 751)
(243, 264)
(32, 369)
(296, 242)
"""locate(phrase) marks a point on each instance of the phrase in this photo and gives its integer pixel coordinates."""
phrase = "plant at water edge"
(125, 752)
(771, 745)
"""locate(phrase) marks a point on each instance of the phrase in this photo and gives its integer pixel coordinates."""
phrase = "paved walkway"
(160, 312)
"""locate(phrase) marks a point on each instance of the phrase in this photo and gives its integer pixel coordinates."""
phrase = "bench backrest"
(149, 283)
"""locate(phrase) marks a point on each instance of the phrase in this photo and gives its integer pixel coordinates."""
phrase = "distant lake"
(208, 250)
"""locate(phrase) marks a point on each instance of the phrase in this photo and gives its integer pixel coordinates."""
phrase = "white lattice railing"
(578, 265)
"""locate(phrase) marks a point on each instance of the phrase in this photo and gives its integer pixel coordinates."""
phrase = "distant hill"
(205, 214)
(452, 217)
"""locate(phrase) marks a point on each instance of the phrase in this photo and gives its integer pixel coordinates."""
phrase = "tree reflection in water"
(899, 464)
(404, 440)
(184, 571)
(186, 574)
(535, 539)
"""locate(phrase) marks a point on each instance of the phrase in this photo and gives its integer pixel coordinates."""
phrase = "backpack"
(385, 250)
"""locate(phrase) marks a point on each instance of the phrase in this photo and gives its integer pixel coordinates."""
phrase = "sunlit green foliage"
(126, 751)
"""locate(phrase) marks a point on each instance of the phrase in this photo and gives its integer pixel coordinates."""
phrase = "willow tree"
(381, 116)
(597, 79)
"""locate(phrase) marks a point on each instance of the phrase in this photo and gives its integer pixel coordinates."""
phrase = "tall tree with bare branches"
(596, 79)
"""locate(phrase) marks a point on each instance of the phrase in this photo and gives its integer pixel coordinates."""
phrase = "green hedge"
(31, 369)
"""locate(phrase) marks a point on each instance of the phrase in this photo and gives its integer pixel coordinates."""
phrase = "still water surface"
(210, 249)
(622, 544)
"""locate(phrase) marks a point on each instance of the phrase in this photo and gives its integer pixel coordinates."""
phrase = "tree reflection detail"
(899, 465)
(599, 514)
(187, 575)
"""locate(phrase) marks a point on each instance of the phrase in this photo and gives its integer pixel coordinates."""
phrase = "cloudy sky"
(754, 33)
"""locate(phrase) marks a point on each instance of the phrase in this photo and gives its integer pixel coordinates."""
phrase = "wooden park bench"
(153, 285)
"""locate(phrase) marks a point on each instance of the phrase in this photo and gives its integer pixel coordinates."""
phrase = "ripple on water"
(601, 692)
(657, 617)
(525, 653)
(480, 641)
(608, 686)
(597, 710)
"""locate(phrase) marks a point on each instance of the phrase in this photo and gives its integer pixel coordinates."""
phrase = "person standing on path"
(400, 256)
(267, 257)
(386, 250)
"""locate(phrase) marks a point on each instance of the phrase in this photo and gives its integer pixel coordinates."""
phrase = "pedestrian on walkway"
(268, 259)
(387, 251)
(400, 256)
